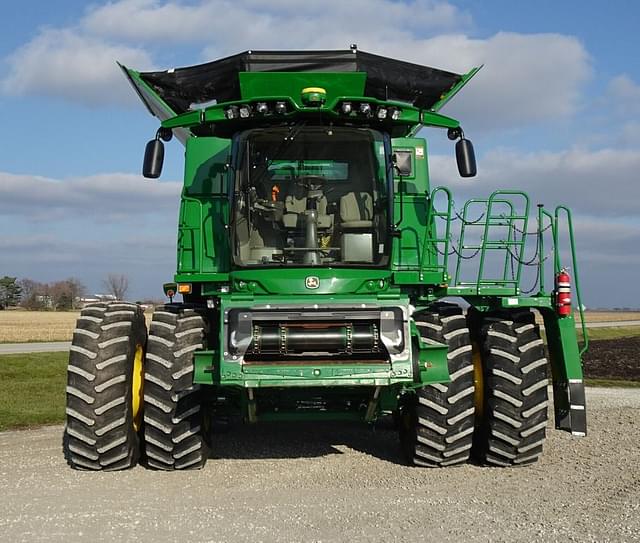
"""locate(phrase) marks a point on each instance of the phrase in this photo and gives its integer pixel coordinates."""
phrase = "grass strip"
(611, 333)
(32, 389)
(611, 383)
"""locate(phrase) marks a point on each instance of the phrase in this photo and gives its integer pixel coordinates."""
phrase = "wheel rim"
(478, 381)
(137, 382)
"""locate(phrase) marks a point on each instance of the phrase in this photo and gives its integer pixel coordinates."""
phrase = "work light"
(365, 109)
(231, 112)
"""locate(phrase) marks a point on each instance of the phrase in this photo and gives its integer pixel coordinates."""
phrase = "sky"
(555, 111)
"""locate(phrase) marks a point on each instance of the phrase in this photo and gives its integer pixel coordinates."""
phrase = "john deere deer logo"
(312, 282)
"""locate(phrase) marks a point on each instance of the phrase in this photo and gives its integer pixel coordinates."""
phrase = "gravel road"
(22, 348)
(337, 482)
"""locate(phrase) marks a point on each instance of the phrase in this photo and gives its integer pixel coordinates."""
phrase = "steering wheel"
(311, 182)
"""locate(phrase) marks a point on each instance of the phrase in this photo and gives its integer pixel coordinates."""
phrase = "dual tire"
(131, 396)
(105, 365)
(495, 406)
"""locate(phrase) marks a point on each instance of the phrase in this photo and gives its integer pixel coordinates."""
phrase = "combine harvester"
(314, 260)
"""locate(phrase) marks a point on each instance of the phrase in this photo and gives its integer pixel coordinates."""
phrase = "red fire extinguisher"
(563, 293)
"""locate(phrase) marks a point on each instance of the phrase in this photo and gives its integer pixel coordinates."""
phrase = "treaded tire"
(514, 369)
(437, 422)
(174, 429)
(99, 432)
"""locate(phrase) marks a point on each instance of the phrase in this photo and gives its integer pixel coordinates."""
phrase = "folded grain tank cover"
(387, 79)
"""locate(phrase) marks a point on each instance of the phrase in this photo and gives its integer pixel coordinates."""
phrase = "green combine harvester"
(324, 278)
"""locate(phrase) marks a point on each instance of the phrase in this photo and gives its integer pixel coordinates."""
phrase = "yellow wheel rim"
(478, 381)
(137, 383)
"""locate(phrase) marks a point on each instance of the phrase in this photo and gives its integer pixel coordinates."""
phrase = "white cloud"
(625, 94)
(103, 197)
(593, 182)
(88, 227)
(237, 26)
(525, 78)
(68, 64)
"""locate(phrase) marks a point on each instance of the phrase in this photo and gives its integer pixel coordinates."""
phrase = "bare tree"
(35, 295)
(76, 291)
(66, 294)
(117, 284)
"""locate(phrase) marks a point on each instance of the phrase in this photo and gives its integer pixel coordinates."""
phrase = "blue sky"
(555, 111)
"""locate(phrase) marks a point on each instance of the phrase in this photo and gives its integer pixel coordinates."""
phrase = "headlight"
(381, 113)
(262, 108)
(396, 114)
(365, 109)
(346, 108)
(231, 112)
(281, 108)
(245, 111)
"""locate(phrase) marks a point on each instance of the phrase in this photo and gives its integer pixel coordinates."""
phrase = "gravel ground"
(334, 482)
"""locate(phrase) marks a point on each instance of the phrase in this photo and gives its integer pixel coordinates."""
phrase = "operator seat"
(356, 211)
(356, 227)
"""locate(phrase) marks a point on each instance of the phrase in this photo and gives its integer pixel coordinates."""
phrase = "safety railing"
(489, 226)
(496, 214)
(436, 245)
(554, 221)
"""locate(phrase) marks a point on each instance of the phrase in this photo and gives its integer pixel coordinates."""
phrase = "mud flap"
(570, 407)
(566, 369)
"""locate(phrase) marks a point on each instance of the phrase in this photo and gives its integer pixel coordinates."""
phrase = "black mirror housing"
(466, 158)
(153, 159)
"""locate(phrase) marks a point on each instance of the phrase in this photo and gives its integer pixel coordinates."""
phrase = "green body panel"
(345, 281)
(202, 240)
(411, 206)
(290, 84)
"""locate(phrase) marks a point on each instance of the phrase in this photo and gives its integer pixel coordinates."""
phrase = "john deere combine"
(317, 264)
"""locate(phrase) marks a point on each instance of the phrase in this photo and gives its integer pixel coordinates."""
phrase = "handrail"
(508, 219)
(574, 263)
(192, 229)
(432, 215)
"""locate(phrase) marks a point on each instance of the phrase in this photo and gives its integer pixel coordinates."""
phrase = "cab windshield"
(310, 196)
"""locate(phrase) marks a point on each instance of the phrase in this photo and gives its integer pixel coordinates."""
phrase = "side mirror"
(466, 158)
(153, 159)
(402, 163)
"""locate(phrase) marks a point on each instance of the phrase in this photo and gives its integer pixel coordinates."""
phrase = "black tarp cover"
(387, 79)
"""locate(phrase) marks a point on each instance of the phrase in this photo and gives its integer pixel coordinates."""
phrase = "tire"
(514, 368)
(174, 425)
(437, 422)
(107, 348)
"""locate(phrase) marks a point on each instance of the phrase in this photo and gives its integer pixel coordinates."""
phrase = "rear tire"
(174, 425)
(437, 422)
(514, 367)
(107, 347)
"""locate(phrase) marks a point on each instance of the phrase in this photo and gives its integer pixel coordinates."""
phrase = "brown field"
(610, 316)
(25, 326)
(18, 326)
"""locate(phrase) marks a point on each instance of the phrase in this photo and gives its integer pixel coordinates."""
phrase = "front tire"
(174, 422)
(105, 368)
(437, 422)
